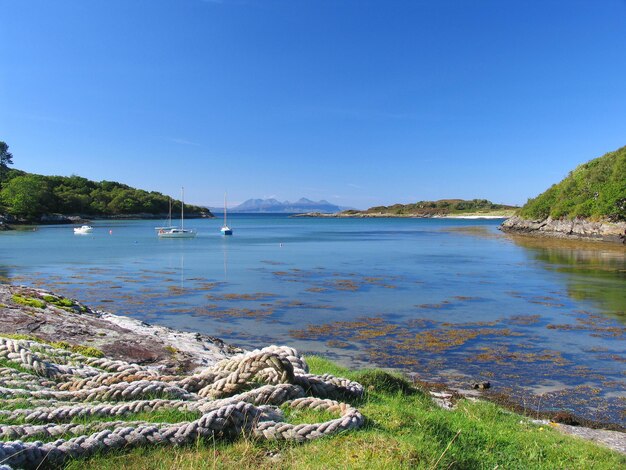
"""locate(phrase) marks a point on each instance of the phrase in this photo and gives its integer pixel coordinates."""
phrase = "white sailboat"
(226, 230)
(169, 220)
(175, 232)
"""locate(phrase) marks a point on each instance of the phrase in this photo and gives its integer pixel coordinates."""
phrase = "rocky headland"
(578, 228)
(589, 203)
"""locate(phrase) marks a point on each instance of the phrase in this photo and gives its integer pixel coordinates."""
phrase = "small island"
(590, 203)
(457, 208)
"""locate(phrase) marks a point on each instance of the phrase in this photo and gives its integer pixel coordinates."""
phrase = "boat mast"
(182, 207)
(169, 215)
(225, 225)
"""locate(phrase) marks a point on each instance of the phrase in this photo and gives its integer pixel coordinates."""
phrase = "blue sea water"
(446, 299)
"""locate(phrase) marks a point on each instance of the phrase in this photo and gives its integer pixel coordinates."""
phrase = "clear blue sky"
(358, 102)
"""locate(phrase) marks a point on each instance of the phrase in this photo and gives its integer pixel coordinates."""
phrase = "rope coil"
(237, 395)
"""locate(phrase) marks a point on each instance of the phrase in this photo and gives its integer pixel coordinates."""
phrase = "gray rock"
(481, 385)
(117, 336)
(578, 228)
(61, 219)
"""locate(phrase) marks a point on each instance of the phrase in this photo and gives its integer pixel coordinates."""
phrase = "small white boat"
(85, 229)
(175, 232)
(226, 230)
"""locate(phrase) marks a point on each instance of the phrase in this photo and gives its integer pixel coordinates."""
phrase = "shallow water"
(450, 300)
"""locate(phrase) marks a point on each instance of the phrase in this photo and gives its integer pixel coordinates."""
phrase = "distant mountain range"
(302, 205)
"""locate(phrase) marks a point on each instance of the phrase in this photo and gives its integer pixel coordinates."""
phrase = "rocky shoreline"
(40, 315)
(578, 229)
(37, 313)
(8, 222)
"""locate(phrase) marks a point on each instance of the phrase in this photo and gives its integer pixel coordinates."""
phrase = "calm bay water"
(449, 300)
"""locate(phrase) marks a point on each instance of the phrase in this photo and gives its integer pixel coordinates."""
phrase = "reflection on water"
(592, 271)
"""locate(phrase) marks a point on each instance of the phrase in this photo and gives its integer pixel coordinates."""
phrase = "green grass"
(58, 301)
(171, 349)
(19, 336)
(13, 365)
(404, 429)
(41, 302)
(15, 405)
(63, 303)
(595, 190)
(88, 351)
(28, 301)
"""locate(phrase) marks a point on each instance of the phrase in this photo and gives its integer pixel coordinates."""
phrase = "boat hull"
(84, 230)
(177, 233)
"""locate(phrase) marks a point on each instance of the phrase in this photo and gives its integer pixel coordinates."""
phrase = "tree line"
(29, 196)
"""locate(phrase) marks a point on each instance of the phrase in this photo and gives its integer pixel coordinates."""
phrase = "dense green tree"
(69, 200)
(27, 196)
(6, 159)
(30, 196)
(125, 201)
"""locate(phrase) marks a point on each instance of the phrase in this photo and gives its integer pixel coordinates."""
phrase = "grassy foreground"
(404, 430)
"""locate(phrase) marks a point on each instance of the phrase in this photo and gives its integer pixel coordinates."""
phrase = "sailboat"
(226, 230)
(175, 232)
(169, 220)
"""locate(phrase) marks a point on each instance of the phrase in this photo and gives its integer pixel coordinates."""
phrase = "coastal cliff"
(590, 203)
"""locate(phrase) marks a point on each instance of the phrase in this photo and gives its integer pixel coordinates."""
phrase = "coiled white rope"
(235, 396)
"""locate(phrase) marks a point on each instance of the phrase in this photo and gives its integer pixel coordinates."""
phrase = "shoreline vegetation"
(443, 208)
(27, 199)
(590, 203)
(385, 215)
(407, 424)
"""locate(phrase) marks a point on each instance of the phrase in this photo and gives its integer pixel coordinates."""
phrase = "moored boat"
(175, 232)
(83, 230)
(226, 230)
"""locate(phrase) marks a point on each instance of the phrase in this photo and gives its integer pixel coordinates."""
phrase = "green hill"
(441, 207)
(595, 190)
(28, 196)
